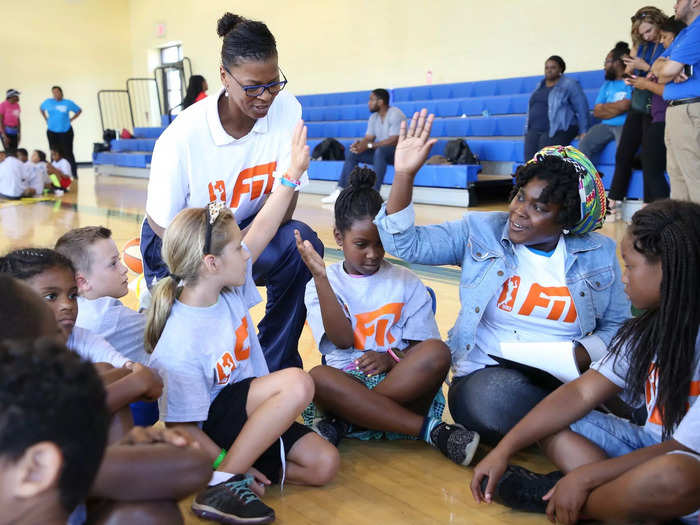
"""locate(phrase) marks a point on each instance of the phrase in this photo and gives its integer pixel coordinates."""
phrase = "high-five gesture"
(411, 151)
(299, 162)
(414, 143)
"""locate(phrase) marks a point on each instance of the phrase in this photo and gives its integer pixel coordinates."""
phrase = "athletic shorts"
(227, 415)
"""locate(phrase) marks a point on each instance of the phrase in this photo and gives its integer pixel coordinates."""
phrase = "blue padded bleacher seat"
(148, 132)
(130, 159)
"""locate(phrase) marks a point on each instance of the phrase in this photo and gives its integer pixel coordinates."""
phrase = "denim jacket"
(567, 103)
(479, 243)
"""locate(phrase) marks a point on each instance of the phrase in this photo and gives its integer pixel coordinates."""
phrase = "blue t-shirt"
(59, 113)
(686, 50)
(614, 91)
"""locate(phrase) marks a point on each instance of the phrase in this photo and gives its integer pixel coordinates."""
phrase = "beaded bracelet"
(219, 459)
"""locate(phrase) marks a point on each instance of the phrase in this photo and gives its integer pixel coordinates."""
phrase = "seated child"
(102, 280)
(59, 171)
(47, 459)
(22, 155)
(614, 470)
(373, 321)
(36, 165)
(217, 384)
(32, 178)
(145, 474)
(51, 275)
(13, 177)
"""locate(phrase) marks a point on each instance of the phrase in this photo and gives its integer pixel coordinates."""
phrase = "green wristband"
(219, 459)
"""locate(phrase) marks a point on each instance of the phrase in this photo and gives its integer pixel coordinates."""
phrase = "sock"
(429, 423)
(219, 476)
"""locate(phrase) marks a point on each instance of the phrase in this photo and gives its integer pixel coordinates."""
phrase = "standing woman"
(10, 128)
(558, 109)
(196, 91)
(57, 114)
(232, 148)
(646, 48)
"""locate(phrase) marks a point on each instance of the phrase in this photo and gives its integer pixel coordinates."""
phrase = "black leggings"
(654, 163)
(536, 140)
(633, 132)
(492, 400)
(64, 143)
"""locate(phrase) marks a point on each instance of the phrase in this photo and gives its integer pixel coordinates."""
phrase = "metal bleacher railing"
(145, 99)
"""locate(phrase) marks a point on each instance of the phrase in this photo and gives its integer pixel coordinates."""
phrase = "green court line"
(442, 274)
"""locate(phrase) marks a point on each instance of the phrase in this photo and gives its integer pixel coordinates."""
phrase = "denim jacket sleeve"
(437, 244)
(608, 321)
(580, 103)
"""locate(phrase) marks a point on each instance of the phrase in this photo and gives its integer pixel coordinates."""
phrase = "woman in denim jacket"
(557, 111)
(546, 212)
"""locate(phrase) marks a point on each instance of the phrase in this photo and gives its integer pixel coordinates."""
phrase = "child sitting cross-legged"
(373, 321)
(217, 385)
(143, 475)
(613, 470)
(52, 276)
(102, 281)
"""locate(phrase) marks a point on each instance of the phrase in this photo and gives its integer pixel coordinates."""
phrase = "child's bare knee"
(299, 385)
(326, 465)
(436, 356)
(141, 512)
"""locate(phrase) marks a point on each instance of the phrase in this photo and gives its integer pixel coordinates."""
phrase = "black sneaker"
(455, 441)
(522, 489)
(232, 502)
(331, 429)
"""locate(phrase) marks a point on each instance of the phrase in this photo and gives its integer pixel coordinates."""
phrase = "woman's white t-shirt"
(195, 161)
(387, 310)
(204, 349)
(534, 305)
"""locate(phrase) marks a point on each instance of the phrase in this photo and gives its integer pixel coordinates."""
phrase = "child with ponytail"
(217, 385)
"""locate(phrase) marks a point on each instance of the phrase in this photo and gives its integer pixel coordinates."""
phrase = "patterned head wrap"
(590, 186)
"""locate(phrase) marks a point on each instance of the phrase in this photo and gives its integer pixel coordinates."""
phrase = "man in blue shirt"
(611, 105)
(679, 69)
(57, 113)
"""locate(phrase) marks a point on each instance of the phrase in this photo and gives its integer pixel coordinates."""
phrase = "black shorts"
(227, 415)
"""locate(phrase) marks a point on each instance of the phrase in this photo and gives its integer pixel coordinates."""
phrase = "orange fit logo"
(226, 363)
(255, 181)
(377, 324)
(556, 301)
(651, 394)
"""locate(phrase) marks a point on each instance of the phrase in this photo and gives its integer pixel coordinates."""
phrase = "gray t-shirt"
(388, 127)
(204, 349)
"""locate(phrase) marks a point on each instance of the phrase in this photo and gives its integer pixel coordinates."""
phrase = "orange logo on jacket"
(226, 363)
(377, 324)
(255, 181)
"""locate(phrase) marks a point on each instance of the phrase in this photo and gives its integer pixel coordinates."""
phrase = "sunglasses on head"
(641, 16)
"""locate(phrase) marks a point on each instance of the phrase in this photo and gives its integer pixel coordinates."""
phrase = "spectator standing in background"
(611, 105)
(196, 91)
(57, 113)
(679, 69)
(558, 109)
(10, 129)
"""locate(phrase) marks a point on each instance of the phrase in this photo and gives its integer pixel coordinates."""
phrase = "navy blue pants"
(380, 158)
(281, 270)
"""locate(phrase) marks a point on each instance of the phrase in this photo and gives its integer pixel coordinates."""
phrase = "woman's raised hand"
(414, 143)
(300, 152)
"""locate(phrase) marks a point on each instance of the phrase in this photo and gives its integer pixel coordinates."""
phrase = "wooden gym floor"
(379, 482)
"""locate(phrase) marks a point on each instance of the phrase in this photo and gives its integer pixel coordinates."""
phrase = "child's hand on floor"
(372, 363)
(149, 435)
(259, 483)
(312, 260)
(299, 162)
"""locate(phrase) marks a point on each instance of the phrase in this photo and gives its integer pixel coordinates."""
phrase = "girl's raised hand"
(414, 143)
(312, 260)
(300, 152)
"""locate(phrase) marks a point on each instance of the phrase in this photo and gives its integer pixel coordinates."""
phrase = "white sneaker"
(330, 199)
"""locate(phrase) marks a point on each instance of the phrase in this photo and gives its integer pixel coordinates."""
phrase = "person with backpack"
(378, 145)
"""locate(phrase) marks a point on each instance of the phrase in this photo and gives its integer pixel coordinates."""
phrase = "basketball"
(132, 256)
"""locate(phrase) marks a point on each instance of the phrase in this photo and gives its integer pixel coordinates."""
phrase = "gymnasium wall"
(337, 45)
(81, 45)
